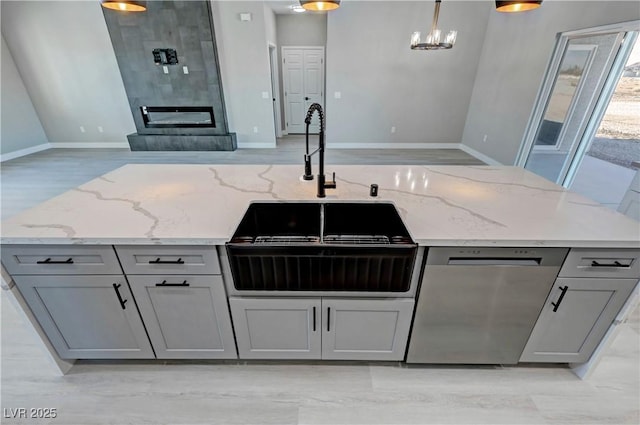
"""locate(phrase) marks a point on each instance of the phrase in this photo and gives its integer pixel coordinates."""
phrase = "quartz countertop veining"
(440, 205)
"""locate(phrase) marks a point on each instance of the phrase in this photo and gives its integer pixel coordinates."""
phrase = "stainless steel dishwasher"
(479, 305)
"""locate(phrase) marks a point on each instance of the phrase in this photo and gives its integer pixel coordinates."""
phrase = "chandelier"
(434, 40)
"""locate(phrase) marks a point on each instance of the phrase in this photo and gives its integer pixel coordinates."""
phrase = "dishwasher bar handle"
(457, 261)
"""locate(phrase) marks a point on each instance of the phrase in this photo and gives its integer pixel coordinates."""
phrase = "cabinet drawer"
(607, 263)
(59, 260)
(169, 259)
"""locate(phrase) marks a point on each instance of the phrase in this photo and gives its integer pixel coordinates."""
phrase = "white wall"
(515, 56)
(244, 68)
(383, 83)
(20, 127)
(64, 55)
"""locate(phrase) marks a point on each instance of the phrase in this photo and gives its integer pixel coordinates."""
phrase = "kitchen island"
(175, 207)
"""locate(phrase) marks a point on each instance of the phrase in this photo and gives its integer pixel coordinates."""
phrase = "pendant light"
(320, 5)
(125, 5)
(434, 38)
(517, 6)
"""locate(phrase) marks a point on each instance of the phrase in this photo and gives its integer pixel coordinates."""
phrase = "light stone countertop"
(440, 205)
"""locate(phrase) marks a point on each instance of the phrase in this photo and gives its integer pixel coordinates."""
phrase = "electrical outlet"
(165, 69)
(255, 129)
(82, 130)
(337, 95)
(484, 139)
(393, 129)
(185, 70)
(265, 95)
(100, 129)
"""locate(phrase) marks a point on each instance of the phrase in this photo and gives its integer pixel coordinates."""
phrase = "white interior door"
(303, 78)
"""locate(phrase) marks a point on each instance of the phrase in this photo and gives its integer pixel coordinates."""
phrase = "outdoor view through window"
(608, 172)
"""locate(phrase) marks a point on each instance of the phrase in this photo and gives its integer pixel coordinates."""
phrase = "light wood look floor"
(294, 393)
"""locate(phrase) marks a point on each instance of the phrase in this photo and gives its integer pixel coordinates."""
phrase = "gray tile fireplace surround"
(150, 82)
(158, 142)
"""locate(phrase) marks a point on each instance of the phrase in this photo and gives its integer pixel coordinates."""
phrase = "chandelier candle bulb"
(451, 37)
(415, 38)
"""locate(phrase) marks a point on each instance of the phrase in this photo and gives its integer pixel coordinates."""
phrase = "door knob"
(306, 98)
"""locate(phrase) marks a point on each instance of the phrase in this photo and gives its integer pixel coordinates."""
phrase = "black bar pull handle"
(159, 261)
(314, 319)
(328, 319)
(557, 303)
(49, 261)
(164, 283)
(616, 263)
(122, 302)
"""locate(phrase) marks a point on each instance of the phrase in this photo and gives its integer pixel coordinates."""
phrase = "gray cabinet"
(87, 317)
(365, 329)
(168, 259)
(575, 317)
(60, 259)
(314, 328)
(187, 316)
(277, 328)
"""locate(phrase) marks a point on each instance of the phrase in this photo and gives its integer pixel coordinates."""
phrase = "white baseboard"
(482, 157)
(256, 145)
(23, 152)
(393, 145)
(102, 145)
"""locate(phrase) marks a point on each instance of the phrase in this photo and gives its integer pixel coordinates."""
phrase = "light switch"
(255, 129)
(337, 95)
(265, 95)
(245, 17)
(185, 70)
(165, 69)
(100, 129)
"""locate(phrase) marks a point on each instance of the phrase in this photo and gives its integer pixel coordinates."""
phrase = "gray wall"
(383, 83)
(64, 55)
(270, 25)
(244, 66)
(302, 29)
(515, 55)
(21, 128)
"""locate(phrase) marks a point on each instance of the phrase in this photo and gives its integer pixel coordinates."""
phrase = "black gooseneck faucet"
(322, 183)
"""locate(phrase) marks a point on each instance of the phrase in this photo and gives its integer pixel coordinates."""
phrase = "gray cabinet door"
(189, 321)
(365, 329)
(87, 317)
(582, 317)
(277, 328)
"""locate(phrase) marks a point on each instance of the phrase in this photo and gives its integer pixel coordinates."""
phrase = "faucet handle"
(332, 183)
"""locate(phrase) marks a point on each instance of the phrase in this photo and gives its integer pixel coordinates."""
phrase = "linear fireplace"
(177, 116)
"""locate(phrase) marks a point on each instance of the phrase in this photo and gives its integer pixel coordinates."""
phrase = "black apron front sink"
(322, 247)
